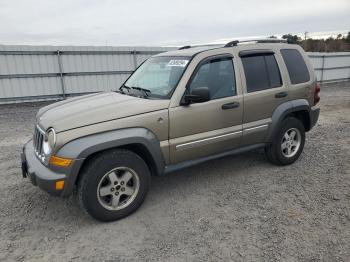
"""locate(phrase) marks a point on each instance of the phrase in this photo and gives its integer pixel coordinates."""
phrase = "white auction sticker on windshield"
(181, 63)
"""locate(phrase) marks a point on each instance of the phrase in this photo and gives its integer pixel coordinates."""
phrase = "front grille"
(38, 139)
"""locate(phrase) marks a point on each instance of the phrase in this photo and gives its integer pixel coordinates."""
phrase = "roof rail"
(198, 45)
(184, 47)
(237, 42)
(261, 40)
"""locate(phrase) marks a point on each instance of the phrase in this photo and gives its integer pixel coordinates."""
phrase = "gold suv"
(177, 109)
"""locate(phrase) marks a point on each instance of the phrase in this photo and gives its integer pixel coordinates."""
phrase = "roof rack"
(261, 40)
(184, 47)
(199, 45)
(236, 42)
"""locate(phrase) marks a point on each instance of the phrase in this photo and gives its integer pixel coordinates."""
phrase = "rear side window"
(297, 69)
(261, 72)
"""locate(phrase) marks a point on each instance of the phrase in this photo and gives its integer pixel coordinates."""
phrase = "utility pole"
(305, 35)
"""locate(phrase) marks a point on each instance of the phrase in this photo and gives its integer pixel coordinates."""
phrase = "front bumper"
(45, 178)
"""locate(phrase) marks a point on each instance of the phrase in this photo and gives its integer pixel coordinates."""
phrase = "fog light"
(59, 185)
(60, 161)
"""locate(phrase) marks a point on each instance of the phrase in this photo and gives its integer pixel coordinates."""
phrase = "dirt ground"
(239, 208)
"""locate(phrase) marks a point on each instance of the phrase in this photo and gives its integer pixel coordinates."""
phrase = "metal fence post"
(322, 69)
(134, 53)
(60, 67)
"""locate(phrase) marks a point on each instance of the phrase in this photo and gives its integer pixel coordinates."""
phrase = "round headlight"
(49, 141)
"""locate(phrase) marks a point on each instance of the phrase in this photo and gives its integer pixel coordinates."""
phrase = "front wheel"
(287, 146)
(113, 185)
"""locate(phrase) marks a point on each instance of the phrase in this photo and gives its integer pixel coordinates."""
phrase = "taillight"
(317, 94)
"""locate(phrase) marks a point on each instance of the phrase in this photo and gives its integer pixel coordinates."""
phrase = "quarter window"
(297, 69)
(218, 75)
(261, 72)
(273, 71)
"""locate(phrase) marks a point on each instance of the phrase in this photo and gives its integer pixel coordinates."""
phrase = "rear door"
(203, 129)
(264, 91)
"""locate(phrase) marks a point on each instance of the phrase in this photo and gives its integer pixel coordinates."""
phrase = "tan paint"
(184, 132)
(149, 121)
(89, 110)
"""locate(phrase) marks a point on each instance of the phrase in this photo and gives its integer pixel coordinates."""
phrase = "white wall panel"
(43, 60)
(335, 66)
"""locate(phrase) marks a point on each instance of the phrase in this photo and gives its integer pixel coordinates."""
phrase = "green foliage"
(339, 44)
(291, 39)
(347, 39)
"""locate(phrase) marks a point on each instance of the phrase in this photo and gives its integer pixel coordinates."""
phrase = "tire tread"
(93, 165)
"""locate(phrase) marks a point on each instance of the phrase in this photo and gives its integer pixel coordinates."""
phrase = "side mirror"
(197, 95)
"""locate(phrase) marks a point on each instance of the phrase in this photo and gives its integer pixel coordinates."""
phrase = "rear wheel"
(287, 146)
(113, 185)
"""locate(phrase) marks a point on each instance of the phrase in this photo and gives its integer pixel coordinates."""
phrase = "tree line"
(339, 44)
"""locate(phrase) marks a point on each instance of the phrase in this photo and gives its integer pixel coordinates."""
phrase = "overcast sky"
(161, 22)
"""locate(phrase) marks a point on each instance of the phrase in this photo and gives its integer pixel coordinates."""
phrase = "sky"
(162, 22)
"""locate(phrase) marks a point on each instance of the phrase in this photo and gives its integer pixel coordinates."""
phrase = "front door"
(202, 129)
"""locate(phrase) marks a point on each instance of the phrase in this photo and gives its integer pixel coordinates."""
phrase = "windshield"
(158, 75)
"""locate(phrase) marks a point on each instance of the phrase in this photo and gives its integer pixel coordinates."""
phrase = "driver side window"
(218, 75)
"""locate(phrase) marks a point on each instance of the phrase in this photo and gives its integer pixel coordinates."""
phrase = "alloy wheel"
(118, 188)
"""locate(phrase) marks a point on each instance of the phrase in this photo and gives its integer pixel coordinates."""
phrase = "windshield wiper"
(126, 87)
(144, 90)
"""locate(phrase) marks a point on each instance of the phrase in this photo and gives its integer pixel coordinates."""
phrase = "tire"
(113, 185)
(274, 151)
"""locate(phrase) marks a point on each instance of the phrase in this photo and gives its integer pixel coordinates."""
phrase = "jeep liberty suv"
(177, 109)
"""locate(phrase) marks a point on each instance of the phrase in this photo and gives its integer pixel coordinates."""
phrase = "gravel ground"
(240, 208)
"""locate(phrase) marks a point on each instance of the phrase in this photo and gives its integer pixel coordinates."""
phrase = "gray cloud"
(160, 22)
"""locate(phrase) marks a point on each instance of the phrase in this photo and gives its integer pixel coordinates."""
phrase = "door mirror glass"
(197, 95)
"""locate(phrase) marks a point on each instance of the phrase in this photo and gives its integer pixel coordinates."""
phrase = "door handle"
(230, 105)
(281, 94)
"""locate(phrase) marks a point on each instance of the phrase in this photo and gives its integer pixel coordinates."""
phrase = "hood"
(95, 108)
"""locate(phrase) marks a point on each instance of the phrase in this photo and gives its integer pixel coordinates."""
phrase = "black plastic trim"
(255, 52)
(186, 164)
(83, 147)
(287, 108)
